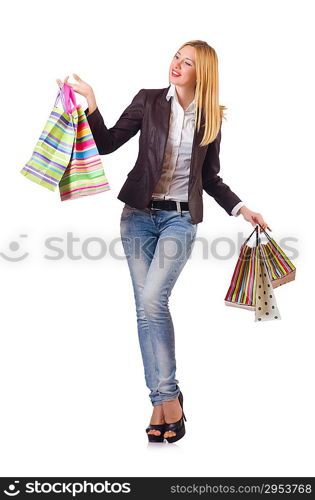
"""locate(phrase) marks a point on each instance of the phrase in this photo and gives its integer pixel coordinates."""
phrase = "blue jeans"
(157, 244)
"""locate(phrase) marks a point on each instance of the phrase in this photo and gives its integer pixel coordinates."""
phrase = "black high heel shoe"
(179, 426)
(153, 438)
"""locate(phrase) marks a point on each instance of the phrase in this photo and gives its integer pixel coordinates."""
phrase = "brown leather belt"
(168, 204)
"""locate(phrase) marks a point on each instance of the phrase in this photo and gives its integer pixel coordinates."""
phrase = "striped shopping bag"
(85, 173)
(53, 149)
(279, 267)
(258, 270)
(242, 289)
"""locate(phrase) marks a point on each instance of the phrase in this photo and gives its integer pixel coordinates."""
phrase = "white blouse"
(173, 183)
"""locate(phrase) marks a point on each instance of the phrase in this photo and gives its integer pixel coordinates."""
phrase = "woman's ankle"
(172, 410)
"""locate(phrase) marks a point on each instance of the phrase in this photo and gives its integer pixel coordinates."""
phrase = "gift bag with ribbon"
(53, 149)
(259, 270)
(85, 173)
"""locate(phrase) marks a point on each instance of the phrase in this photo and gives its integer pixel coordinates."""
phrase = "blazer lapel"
(164, 110)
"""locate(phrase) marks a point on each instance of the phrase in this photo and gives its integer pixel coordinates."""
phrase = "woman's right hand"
(81, 87)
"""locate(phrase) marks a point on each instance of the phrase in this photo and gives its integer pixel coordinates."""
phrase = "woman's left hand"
(254, 218)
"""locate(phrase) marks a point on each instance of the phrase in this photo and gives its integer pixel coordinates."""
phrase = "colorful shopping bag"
(242, 289)
(53, 149)
(85, 173)
(259, 269)
(279, 267)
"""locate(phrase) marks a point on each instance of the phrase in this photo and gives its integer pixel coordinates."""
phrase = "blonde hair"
(207, 90)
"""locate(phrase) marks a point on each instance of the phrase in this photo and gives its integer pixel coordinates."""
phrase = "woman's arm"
(109, 139)
(91, 101)
(254, 218)
(106, 139)
(213, 184)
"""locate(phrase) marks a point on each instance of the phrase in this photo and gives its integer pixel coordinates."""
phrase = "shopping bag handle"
(69, 95)
(60, 96)
(257, 236)
(269, 238)
(66, 94)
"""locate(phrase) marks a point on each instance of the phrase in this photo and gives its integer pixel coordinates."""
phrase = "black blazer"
(149, 112)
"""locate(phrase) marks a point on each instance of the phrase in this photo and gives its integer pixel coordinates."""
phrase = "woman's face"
(183, 64)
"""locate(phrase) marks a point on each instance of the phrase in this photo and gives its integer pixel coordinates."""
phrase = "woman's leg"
(174, 245)
(176, 239)
(139, 238)
(157, 246)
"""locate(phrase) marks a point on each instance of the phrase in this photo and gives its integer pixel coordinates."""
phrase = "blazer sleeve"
(212, 183)
(108, 140)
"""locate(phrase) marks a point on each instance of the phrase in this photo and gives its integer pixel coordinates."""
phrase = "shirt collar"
(172, 93)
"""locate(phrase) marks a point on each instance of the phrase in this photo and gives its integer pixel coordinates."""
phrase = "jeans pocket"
(126, 212)
(187, 216)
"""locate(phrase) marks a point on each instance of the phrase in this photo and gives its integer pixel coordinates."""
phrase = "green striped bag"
(258, 270)
(53, 149)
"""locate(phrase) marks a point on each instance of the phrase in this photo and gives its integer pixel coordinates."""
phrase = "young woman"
(179, 144)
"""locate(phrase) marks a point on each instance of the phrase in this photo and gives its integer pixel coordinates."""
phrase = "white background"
(74, 400)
